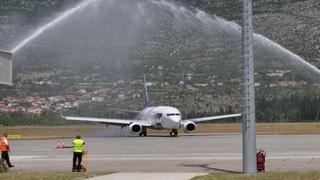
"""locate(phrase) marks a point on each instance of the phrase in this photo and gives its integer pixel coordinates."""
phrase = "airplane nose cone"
(172, 123)
(176, 119)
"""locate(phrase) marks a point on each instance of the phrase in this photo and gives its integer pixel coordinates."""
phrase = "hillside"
(292, 23)
(191, 57)
(295, 24)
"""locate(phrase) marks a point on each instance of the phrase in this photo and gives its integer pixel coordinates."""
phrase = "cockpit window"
(173, 114)
(158, 115)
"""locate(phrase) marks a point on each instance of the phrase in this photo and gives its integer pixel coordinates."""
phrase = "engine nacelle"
(189, 127)
(135, 128)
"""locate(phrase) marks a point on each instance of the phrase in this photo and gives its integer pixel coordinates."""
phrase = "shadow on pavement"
(208, 168)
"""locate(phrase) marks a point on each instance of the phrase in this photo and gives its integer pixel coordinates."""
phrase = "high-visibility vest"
(3, 146)
(78, 145)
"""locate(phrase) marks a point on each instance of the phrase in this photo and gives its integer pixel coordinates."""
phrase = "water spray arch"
(190, 31)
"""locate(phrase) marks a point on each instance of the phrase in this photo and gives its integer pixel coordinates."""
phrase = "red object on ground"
(61, 146)
(261, 160)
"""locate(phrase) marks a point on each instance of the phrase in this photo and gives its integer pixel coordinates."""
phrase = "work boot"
(78, 168)
(11, 166)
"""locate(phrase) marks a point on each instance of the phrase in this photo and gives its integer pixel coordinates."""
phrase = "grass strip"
(312, 175)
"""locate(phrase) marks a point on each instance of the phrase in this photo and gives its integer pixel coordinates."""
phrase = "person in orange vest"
(78, 149)
(5, 149)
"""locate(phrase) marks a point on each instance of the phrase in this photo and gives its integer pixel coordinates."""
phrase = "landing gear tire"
(143, 132)
(174, 133)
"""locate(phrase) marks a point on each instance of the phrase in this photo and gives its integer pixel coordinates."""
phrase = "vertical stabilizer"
(5, 67)
(146, 96)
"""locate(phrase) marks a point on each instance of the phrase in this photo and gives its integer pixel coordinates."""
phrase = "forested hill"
(295, 24)
(194, 69)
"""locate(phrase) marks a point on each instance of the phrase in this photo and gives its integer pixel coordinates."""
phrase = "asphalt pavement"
(198, 153)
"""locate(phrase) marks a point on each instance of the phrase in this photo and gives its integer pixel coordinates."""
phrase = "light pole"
(248, 93)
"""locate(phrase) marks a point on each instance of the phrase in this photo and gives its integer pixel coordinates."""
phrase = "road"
(196, 153)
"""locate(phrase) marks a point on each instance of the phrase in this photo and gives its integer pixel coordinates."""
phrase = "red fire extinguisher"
(261, 160)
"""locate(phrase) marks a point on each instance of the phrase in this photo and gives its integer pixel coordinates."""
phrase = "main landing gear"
(143, 132)
(174, 132)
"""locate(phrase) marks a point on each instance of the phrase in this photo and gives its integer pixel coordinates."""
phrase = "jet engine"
(189, 126)
(135, 128)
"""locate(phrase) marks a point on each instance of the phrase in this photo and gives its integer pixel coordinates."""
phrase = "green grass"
(313, 175)
(49, 176)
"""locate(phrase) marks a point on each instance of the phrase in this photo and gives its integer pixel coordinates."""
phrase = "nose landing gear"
(174, 132)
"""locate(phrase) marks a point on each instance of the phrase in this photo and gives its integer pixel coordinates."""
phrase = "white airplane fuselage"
(161, 117)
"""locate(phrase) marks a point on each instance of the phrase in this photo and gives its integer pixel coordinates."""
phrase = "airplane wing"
(211, 118)
(125, 110)
(117, 122)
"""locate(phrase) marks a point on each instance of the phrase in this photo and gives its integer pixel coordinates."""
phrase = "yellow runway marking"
(14, 136)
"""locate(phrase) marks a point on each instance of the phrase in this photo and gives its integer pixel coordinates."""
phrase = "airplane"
(154, 117)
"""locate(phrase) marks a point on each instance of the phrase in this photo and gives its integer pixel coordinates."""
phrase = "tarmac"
(152, 176)
(162, 154)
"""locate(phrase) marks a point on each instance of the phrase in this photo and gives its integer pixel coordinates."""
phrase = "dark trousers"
(77, 156)
(5, 156)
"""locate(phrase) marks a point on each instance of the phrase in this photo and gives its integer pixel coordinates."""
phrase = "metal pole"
(248, 94)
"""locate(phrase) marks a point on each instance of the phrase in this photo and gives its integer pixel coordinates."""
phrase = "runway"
(196, 153)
